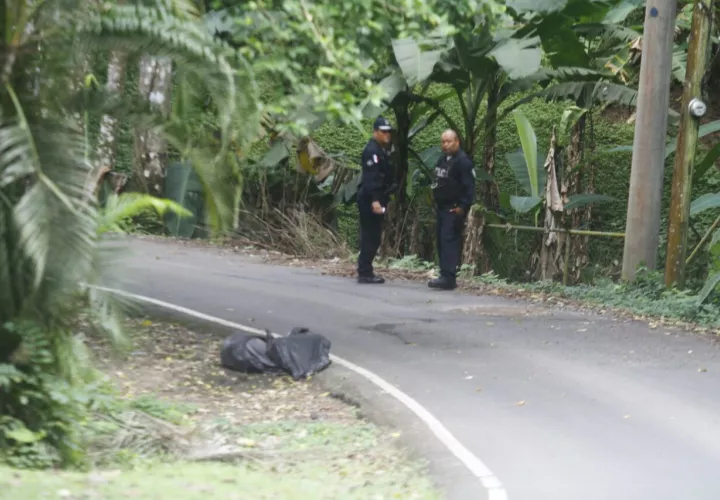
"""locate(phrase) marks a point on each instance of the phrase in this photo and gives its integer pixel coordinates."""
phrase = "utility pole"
(642, 232)
(692, 109)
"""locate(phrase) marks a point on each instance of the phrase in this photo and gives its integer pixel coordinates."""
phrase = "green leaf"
(277, 153)
(119, 208)
(679, 62)
(391, 85)
(23, 435)
(570, 117)
(416, 64)
(429, 156)
(581, 200)
(422, 124)
(620, 149)
(528, 140)
(707, 162)
(537, 6)
(620, 12)
(714, 249)
(519, 57)
(504, 200)
(483, 175)
(705, 202)
(183, 187)
(670, 147)
(708, 128)
(348, 191)
(516, 161)
(710, 284)
(562, 45)
(524, 204)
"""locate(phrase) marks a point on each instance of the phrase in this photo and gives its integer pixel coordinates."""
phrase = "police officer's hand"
(458, 211)
(377, 208)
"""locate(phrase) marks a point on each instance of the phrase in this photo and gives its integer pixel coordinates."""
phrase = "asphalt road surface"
(559, 405)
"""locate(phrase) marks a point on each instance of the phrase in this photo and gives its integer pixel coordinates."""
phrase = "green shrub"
(39, 407)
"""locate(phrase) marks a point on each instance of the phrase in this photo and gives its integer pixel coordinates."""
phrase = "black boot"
(443, 283)
(371, 280)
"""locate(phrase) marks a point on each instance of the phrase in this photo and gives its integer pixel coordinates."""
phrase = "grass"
(190, 481)
(647, 297)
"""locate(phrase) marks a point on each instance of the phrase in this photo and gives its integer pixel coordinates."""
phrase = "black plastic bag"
(300, 354)
(246, 353)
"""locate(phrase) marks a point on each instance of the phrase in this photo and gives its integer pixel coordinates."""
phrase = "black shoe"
(442, 283)
(371, 280)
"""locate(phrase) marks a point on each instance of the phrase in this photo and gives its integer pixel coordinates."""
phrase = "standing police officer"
(373, 196)
(454, 193)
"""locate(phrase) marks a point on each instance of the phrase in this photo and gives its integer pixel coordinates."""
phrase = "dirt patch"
(182, 365)
(233, 435)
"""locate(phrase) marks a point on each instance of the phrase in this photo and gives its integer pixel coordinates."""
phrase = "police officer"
(454, 193)
(373, 196)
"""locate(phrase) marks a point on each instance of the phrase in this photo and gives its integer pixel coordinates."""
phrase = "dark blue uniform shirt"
(454, 181)
(376, 173)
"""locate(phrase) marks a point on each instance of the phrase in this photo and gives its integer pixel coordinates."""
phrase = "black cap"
(382, 124)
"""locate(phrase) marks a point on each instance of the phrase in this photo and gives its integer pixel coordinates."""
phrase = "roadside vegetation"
(165, 421)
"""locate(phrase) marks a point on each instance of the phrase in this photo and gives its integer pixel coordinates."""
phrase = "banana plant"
(531, 175)
(588, 47)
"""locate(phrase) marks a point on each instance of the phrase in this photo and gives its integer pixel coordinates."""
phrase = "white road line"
(496, 491)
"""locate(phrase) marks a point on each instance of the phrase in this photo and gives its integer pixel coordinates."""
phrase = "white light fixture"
(697, 108)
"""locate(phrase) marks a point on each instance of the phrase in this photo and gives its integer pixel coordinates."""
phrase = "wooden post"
(646, 178)
(687, 144)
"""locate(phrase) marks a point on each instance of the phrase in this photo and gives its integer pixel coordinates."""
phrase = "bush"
(40, 407)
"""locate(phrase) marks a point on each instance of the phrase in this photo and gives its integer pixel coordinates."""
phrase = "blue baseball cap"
(382, 124)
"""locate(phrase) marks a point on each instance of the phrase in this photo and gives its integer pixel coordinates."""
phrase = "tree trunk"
(416, 233)
(579, 216)
(107, 141)
(150, 150)
(491, 194)
(473, 253)
(552, 242)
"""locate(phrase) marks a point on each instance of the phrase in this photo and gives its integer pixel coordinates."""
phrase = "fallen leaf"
(247, 443)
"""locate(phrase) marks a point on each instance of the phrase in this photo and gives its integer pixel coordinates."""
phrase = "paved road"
(612, 410)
